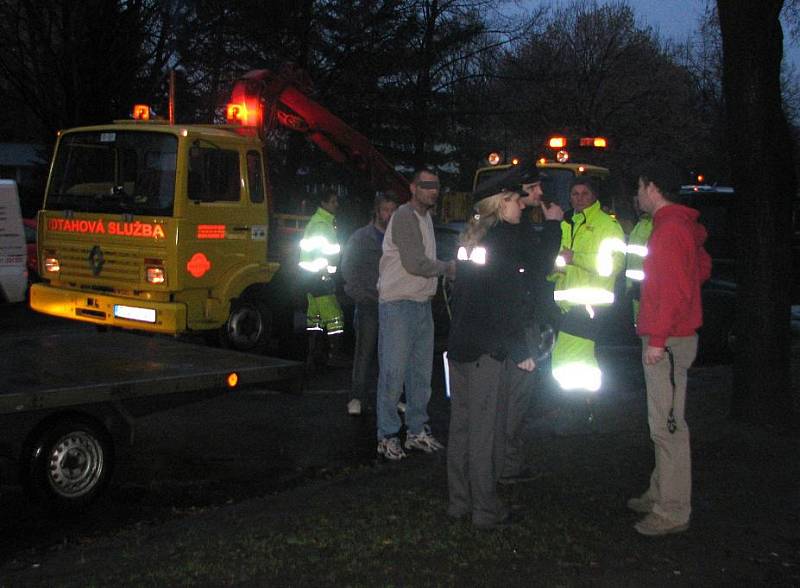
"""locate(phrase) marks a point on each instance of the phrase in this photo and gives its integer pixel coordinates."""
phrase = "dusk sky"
(675, 19)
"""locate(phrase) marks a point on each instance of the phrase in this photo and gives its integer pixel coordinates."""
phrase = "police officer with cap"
(539, 246)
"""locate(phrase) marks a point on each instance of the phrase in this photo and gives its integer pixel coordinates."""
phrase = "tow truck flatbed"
(69, 401)
(59, 370)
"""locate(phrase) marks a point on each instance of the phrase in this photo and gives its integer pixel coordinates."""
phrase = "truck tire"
(248, 327)
(69, 464)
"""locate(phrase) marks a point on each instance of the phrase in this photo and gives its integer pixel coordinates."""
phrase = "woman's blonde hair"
(488, 212)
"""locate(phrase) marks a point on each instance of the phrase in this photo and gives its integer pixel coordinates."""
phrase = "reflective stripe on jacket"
(637, 251)
(319, 247)
(598, 247)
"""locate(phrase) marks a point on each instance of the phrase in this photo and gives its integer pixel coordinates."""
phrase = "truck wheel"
(70, 464)
(248, 326)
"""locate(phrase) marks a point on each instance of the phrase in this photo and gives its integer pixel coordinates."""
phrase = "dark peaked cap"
(511, 180)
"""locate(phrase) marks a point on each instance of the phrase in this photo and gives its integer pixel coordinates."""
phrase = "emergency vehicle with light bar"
(164, 227)
(557, 159)
(558, 162)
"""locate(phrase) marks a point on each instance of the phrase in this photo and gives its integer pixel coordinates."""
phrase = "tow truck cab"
(157, 227)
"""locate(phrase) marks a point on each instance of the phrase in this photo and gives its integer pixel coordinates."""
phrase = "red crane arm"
(285, 98)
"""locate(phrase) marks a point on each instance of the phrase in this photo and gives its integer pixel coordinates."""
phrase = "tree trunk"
(760, 149)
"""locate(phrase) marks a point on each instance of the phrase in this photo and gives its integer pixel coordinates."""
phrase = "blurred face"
(384, 213)
(331, 205)
(533, 194)
(511, 209)
(581, 197)
(643, 197)
(425, 190)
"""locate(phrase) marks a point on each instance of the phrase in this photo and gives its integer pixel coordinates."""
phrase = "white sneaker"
(640, 504)
(401, 407)
(423, 442)
(390, 449)
(354, 407)
(654, 525)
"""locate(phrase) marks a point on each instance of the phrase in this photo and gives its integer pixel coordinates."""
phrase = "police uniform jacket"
(488, 301)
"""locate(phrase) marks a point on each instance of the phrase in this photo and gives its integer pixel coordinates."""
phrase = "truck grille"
(120, 266)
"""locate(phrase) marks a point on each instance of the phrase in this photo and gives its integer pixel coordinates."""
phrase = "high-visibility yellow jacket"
(634, 260)
(598, 247)
(319, 248)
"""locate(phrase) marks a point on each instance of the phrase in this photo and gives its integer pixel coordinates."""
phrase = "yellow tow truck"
(164, 227)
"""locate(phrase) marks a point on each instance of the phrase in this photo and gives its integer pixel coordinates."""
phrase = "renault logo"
(96, 260)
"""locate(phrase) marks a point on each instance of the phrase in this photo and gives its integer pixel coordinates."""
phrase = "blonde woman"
(488, 355)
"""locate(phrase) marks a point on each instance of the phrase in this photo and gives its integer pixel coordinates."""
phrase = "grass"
(386, 525)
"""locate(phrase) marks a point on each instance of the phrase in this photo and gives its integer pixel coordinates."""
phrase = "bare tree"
(763, 174)
(593, 69)
(72, 62)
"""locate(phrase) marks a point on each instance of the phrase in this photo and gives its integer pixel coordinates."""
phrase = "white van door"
(13, 273)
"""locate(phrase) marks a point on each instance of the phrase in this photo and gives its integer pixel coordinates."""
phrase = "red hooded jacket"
(675, 267)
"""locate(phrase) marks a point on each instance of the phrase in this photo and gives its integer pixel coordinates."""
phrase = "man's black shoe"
(507, 521)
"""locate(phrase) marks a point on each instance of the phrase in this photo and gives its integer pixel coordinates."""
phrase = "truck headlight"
(51, 264)
(154, 271)
(156, 275)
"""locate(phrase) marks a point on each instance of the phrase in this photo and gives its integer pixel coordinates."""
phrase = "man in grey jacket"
(407, 281)
(360, 272)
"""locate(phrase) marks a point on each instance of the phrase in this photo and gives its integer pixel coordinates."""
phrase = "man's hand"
(566, 255)
(528, 365)
(552, 211)
(450, 272)
(652, 355)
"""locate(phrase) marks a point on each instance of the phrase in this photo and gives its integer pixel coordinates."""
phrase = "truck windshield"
(114, 172)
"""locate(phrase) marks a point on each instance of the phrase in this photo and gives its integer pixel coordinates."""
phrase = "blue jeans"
(405, 356)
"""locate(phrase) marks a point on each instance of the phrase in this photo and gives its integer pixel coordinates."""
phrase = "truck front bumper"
(109, 310)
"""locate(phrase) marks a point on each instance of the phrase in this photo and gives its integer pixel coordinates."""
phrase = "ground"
(371, 524)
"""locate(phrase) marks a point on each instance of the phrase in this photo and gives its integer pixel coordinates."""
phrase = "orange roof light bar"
(557, 142)
(247, 113)
(141, 112)
(236, 113)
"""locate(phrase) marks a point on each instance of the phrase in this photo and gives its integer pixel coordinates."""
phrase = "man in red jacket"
(675, 267)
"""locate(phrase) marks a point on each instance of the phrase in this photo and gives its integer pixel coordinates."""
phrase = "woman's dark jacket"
(492, 304)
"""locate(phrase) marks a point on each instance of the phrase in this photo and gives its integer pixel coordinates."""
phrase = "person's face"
(533, 194)
(425, 190)
(643, 197)
(385, 212)
(331, 205)
(581, 197)
(511, 209)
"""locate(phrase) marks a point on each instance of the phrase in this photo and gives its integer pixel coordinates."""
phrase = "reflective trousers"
(324, 313)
